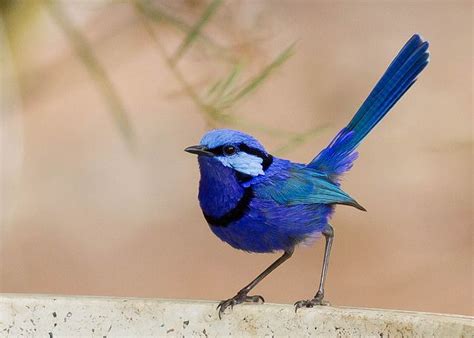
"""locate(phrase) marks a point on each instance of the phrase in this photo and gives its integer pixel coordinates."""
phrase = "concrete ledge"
(45, 315)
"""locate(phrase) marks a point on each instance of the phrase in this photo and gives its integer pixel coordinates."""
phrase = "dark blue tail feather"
(339, 155)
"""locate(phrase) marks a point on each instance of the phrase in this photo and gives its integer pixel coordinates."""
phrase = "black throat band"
(235, 213)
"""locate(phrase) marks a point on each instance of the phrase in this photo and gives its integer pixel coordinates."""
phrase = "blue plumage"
(275, 218)
(259, 203)
(337, 158)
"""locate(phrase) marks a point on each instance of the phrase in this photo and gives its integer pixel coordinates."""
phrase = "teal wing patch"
(305, 186)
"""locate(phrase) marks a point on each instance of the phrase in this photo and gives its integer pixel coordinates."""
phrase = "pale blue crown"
(219, 137)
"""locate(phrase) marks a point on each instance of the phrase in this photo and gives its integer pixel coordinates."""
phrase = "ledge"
(99, 316)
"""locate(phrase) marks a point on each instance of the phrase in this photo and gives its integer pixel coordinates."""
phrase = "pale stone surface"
(43, 315)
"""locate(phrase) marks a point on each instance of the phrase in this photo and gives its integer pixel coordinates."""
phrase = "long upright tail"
(339, 155)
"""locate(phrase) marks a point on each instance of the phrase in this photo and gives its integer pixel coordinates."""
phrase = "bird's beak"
(199, 150)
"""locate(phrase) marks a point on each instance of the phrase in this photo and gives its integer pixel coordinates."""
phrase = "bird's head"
(233, 149)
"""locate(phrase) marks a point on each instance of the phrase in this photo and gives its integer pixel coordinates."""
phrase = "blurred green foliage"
(194, 31)
(86, 53)
(216, 105)
(226, 92)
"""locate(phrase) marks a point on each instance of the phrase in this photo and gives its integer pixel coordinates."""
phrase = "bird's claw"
(238, 299)
(316, 301)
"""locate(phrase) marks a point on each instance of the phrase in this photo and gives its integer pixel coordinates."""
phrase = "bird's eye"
(229, 150)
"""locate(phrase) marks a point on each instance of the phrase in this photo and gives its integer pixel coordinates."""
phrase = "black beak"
(199, 150)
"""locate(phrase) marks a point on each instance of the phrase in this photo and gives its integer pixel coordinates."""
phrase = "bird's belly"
(277, 228)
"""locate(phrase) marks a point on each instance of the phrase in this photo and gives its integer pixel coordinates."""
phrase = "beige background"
(81, 214)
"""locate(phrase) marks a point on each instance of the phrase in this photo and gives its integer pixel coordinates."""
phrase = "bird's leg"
(318, 299)
(242, 295)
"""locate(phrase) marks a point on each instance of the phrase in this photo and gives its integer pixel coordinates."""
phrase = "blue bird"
(260, 203)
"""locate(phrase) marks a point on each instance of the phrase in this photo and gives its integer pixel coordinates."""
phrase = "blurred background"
(99, 99)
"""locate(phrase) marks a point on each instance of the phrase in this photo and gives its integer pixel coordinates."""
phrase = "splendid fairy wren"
(260, 203)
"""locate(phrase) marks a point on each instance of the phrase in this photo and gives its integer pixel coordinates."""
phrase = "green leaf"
(223, 86)
(196, 29)
(256, 81)
(86, 54)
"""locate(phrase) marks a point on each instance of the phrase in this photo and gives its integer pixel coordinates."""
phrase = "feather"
(339, 155)
(304, 186)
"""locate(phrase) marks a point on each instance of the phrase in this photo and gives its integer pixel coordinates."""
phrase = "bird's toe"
(255, 299)
(311, 303)
(238, 299)
(223, 305)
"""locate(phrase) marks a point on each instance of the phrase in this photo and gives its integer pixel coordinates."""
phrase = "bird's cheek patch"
(244, 163)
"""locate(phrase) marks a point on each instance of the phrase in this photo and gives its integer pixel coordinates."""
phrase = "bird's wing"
(304, 186)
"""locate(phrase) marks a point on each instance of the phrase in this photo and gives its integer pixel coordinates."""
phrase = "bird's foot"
(239, 298)
(318, 300)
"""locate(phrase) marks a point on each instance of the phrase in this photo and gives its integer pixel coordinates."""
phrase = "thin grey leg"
(318, 299)
(242, 295)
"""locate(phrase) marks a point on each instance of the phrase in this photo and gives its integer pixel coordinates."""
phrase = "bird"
(260, 203)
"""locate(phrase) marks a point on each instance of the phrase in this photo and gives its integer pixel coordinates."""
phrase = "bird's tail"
(339, 155)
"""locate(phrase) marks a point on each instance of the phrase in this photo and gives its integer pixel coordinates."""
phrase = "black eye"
(229, 150)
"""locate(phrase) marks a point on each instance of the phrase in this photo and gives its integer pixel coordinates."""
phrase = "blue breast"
(242, 215)
(219, 189)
